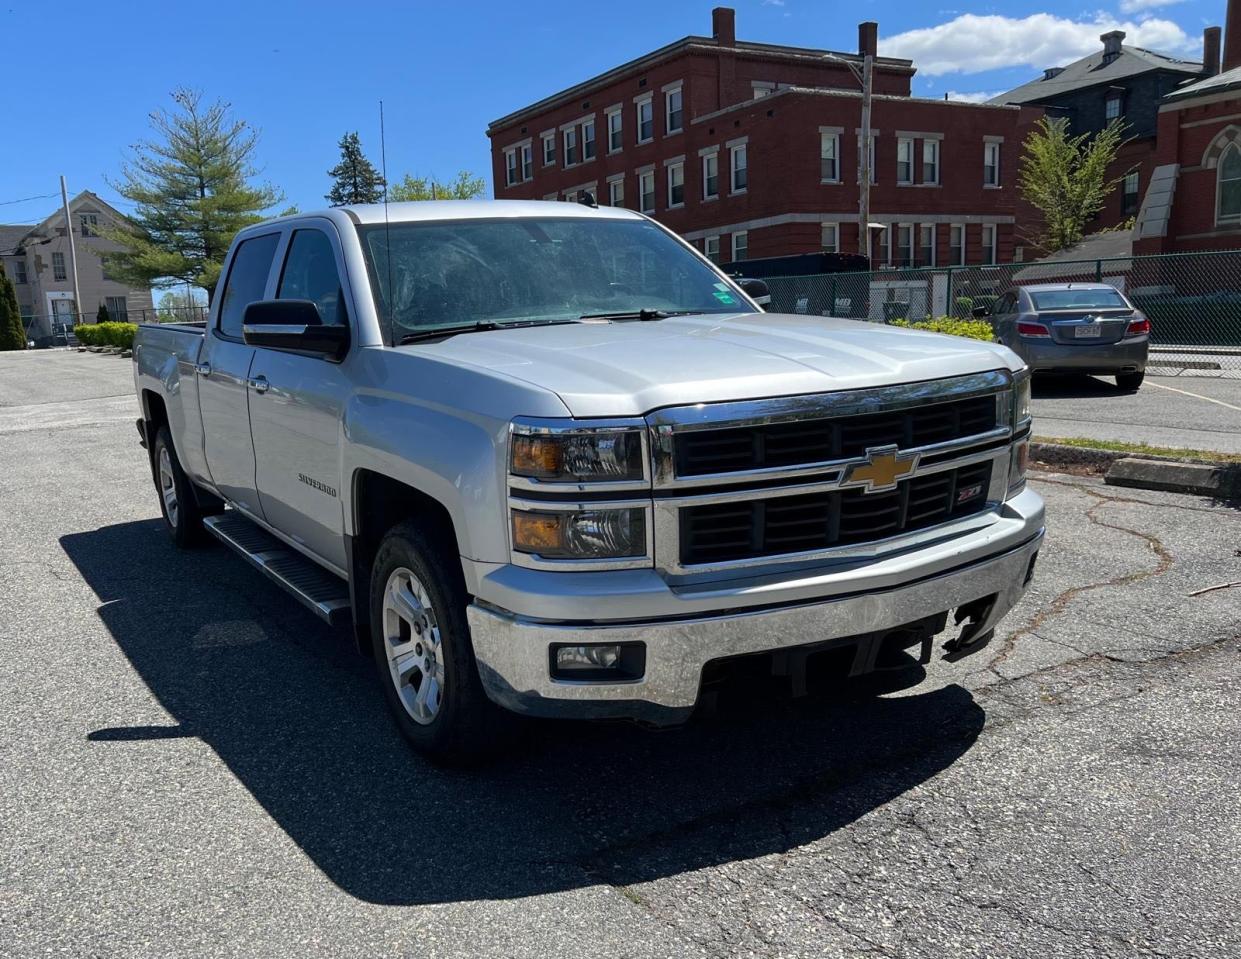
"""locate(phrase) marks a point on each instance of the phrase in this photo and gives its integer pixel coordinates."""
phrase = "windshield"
(1079, 300)
(467, 272)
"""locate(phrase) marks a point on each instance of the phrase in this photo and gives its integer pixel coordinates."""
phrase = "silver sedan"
(1074, 328)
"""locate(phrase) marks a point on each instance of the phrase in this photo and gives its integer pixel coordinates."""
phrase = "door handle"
(259, 384)
(202, 369)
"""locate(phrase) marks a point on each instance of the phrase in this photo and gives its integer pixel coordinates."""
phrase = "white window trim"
(669, 89)
(766, 86)
(997, 143)
(614, 111)
(1220, 218)
(834, 133)
(902, 141)
(741, 143)
(706, 246)
(733, 244)
(896, 243)
(993, 247)
(614, 180)
(835, 224)
(706, 154)
(543, 138)
(645, 172)
(964, 258)
(669, 165)
(939, 159)
(512, 167)
(638, 102)
(522, 151)
(565, 131)
(934, 243)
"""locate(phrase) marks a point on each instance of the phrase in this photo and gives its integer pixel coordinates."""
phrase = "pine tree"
(12, 333)
(192, 192)
(355, 178)
(101, 315)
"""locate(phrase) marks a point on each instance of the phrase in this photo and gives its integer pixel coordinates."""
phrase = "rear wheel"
(1130, 381)
(176, 494)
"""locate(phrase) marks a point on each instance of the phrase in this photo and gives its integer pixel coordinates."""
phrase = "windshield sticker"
(725, 297)
(722, 286)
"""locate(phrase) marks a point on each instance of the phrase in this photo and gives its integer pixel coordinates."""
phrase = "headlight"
(586, 455)
(1018, 463)
(1021, 398)
(580, 534)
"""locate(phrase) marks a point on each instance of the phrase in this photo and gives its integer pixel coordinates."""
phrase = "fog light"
(599, 663)
(587, 657)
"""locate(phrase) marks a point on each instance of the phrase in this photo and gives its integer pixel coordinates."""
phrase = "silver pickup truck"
(547, 458)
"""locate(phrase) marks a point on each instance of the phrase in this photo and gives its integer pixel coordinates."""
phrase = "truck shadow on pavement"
(295, 715)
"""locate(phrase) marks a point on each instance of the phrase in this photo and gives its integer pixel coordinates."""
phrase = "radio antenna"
(383, 166)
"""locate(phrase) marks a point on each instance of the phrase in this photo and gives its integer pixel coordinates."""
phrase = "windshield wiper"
(482, 326)
(642, 314)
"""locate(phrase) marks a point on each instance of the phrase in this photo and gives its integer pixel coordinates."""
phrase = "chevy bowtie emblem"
(883, 469)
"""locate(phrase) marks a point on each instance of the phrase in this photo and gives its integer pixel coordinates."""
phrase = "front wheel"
(1129, 382)
(423, 653)
(177, 502)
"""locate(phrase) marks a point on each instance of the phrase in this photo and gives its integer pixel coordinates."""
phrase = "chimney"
(724, 26)
(868, 39)
(1210, 51)
(1232, 36)
(1111, 44)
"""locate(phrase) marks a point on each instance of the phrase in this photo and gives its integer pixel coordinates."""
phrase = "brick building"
(753, 150)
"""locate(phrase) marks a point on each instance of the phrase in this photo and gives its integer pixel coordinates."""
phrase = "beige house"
(36, 258)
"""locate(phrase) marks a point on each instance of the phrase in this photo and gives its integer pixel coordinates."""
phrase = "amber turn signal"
(537, 532)
(536, 455)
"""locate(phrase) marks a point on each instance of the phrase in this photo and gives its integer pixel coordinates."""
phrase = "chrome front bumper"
(514, 651)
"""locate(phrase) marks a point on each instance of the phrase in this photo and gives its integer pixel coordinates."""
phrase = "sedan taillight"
(1032, 329)
(1140, 327)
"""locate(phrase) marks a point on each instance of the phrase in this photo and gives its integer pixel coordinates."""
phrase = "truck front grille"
(750, 529)
(762, 446)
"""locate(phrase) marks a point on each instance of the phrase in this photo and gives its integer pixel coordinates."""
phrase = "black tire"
(182, 514)
(466, 726)
(1130, 382)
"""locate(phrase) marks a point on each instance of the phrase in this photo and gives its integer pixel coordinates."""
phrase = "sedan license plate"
(1087, 331)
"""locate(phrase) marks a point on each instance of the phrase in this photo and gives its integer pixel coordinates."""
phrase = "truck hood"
(628, 368)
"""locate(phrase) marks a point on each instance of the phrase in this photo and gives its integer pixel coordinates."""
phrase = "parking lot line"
(1197, 396)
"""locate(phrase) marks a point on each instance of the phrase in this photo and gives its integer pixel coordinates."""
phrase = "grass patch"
(1142, 449)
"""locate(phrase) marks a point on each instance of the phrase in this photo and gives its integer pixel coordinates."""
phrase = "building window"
(991, 164)
(710, 176)
(904, 161)
(831, 238)
(956, 245)
(930, 161)
(988, 244)
(646, 120)
(762, 88)
(646, 191)
(570, 146)
(673, 112)
(1130, 199)
(90, 224)
(904, 244)
(118, 309)
(676, 184)
(527, 162)
(1112, 107)
(615, 131)
(740, 169)
(741, 246)
(510, 166)
(926, 245)
(829, 157)
(19, 271)
(616, 192)
(588, 139)
(549, 149)
(58, 266)
(1228, 185)
(711, 247)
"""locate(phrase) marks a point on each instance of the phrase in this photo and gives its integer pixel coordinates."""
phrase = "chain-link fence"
(56, 329)
(1193, 300)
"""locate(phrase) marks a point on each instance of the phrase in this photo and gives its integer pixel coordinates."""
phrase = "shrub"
(107, 334)
(972, 329)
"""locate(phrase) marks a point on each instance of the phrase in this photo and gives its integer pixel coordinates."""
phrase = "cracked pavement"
(190, 765)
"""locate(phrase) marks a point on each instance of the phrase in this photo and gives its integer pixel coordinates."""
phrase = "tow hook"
(971, 638)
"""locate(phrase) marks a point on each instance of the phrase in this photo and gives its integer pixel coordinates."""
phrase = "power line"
(41, 196)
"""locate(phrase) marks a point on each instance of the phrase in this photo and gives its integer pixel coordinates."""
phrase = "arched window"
(1228, 185)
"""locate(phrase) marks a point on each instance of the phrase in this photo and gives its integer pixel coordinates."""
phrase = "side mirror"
(980, 312)
(756, 290)
(293, 325)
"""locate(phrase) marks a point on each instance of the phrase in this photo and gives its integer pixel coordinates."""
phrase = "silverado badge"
(883, 468)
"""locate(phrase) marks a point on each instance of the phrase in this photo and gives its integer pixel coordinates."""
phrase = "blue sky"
(83, 78)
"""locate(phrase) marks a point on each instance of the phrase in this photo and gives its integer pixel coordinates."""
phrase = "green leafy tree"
(355, 179)
(12, 333)
(101, 315)
(191, 186)
(464, 186)
(1065, 178)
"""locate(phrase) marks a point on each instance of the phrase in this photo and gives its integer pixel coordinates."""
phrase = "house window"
(926, 244)
(58, 266)
(588, 139)
(615, 131)
(527, 162)
(646, 191)
(930, 161)
(1130, 199)
(510, 166)
(1112, 107)
(710, 176)
(904, 161)
(676, 184)
(549, 149)
(991, 164)
(711, 247)
(829, 157)
(118, 309)
(988, 244)
(646, 120)
(904, 244)
(956, 245)
(90, 224)
(741, 246)
(570, 146)
(1228, 185)
(673, 112)
(19, 271)
(616, 192)
(739, 167)
(831, 238)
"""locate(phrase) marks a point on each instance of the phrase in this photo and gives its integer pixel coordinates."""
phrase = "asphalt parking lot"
(190, 765)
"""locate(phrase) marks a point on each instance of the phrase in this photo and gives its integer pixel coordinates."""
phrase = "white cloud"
(780, 3)
(1136, 6)
(980, 96)
(974, 44)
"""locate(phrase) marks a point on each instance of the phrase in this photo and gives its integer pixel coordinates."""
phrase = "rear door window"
(247, 280)
(310, 274)
(1078, 300)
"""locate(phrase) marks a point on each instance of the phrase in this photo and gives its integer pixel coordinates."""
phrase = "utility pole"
(73, 253)
(863, 226)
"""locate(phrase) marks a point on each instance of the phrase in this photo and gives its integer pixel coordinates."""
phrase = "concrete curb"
(1057, 454)
(1221, 481)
